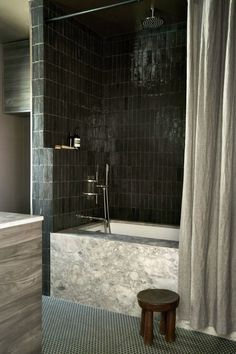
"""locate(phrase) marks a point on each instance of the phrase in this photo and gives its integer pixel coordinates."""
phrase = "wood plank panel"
(17, 77)
(20, 289)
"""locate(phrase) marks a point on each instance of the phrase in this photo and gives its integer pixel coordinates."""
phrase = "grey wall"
(14, 158)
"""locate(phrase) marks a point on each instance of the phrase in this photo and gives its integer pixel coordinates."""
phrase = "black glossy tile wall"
(73, 99)
(144, 105)
(73, 90)
(71, 169)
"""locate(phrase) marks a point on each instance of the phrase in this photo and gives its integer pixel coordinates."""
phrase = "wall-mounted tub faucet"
(91, 183)
(104, 187)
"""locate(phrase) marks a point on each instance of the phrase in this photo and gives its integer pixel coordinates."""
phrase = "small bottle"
(76, 139)
(71, 139)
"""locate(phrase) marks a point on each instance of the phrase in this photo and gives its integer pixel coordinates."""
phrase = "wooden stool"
(158, 300)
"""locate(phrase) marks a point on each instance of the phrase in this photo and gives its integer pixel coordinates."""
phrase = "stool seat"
(158, 300)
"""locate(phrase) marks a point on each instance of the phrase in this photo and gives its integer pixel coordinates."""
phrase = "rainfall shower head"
(153, 22)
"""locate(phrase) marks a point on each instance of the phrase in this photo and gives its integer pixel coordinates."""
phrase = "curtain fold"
(207, 265)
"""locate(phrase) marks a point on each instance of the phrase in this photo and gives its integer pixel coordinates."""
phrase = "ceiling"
(126, 18)
(14, 16)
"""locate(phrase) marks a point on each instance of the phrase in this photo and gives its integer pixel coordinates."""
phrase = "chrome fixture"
(104, 187)
(91, 183)
(127, 2)
(91, 218)
(153, 22)
(106, 200)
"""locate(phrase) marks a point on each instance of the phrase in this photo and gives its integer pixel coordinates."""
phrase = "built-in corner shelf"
(64, 147)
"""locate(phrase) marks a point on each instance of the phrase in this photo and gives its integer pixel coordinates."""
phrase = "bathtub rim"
(74, 233)
(89, 230)
(144, 230)
(118, 221)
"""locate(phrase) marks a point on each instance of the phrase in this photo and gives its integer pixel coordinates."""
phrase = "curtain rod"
(127, 2)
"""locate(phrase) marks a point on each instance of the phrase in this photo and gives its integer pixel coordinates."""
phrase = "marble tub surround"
(14, 219)
(109, 271)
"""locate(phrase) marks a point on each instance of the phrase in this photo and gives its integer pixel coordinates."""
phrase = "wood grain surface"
(16, 77)
(20, 289)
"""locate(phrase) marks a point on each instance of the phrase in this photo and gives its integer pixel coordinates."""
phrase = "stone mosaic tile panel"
(117, 270)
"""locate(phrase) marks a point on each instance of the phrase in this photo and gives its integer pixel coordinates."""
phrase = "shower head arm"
(152, 9)
(127, 2)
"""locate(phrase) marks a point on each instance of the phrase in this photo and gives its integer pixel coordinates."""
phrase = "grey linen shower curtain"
(207, 262)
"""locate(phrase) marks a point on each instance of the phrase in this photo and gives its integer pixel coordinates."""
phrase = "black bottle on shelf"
(71, 139)
(76, 139)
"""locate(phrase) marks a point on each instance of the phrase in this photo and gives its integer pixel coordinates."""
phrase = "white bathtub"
(137, 229)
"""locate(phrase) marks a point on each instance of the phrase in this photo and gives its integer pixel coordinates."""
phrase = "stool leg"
(163, 323)
(142, 323)
(148, 328)
(170, 326)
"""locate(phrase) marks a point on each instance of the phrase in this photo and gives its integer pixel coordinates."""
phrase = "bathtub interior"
(136, 229)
